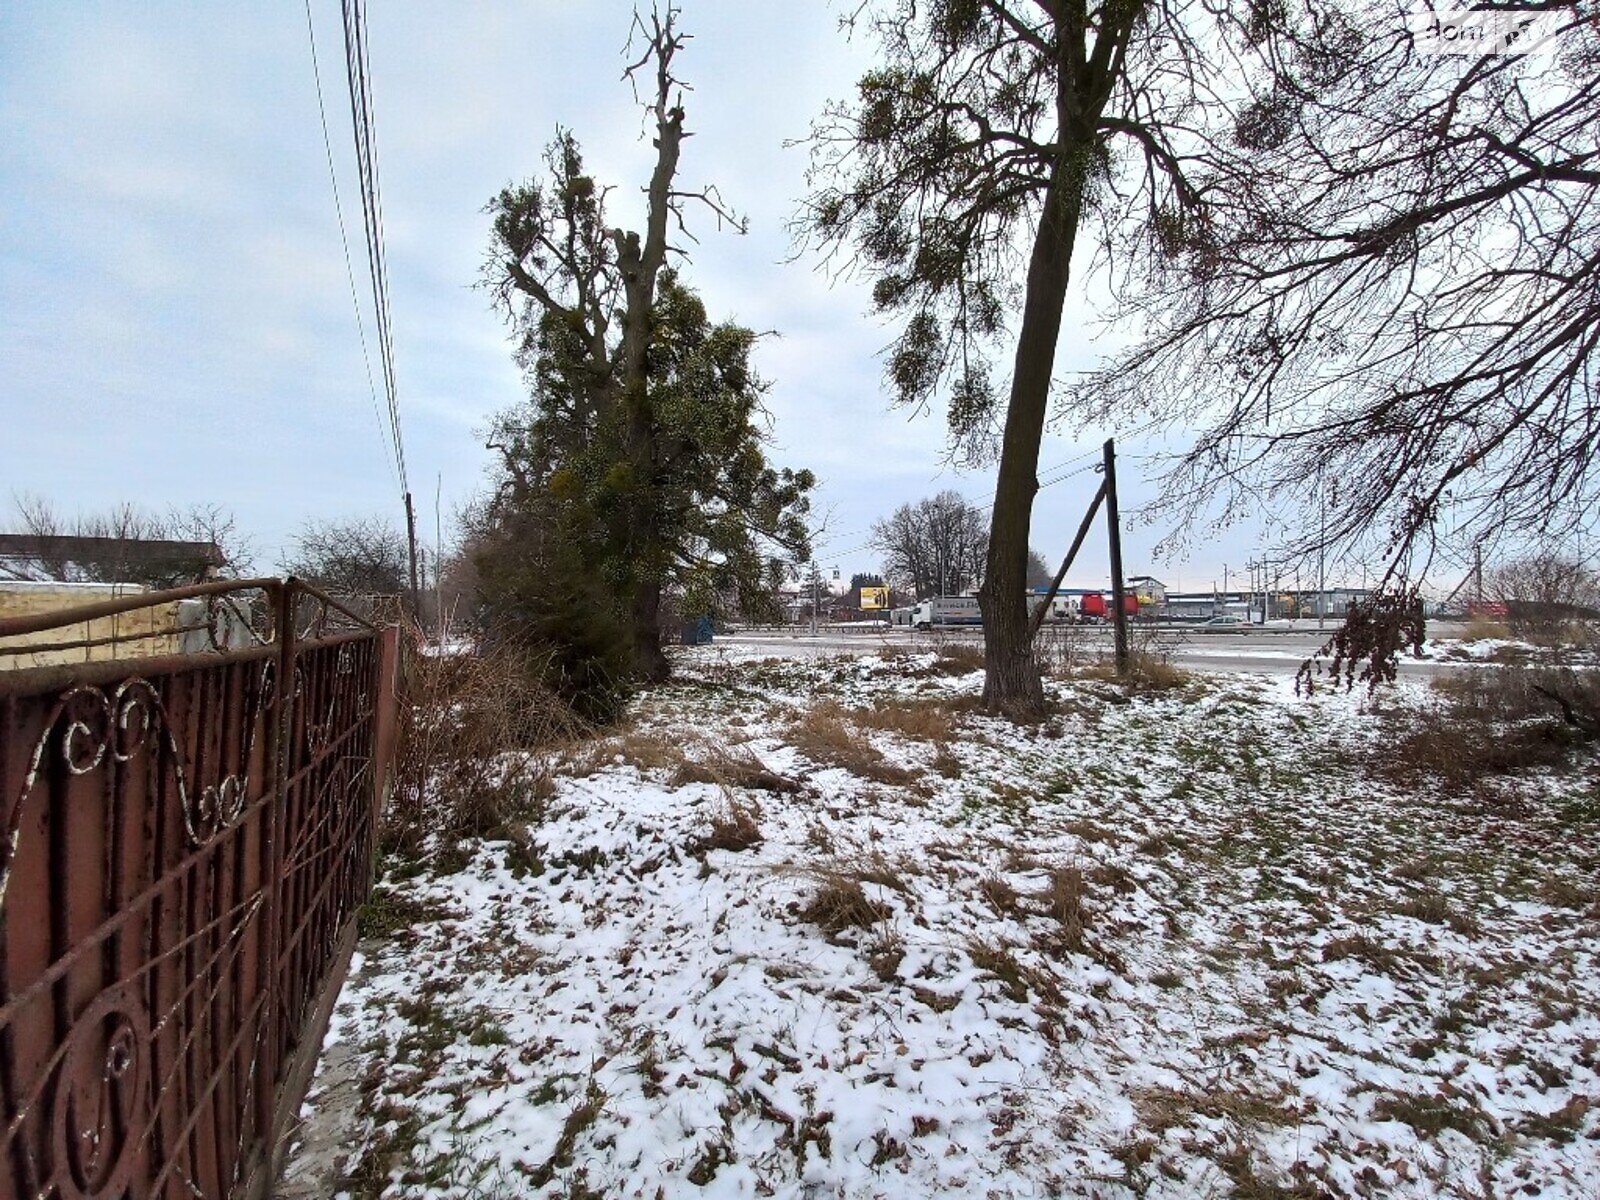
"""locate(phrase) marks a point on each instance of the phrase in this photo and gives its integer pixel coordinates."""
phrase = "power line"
(839, 537)
(1044, 482)
(359, 76)
(344, 241)
(983, 509)
(1094, 455)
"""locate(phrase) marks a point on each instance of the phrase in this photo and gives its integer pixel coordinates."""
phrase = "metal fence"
(185, 842)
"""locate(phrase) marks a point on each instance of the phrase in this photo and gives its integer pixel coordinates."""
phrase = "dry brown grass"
(1002, 897)
(1494, 721)
(1015, 977)
(840, 903)
(1064, 900)
(885, 955)
(641, 749)
(925, 720)
(875, 868)
(1069, 900)
(648, 751)
(1430, 1115)
(1148, 671)
(958, 658)
(469, 762)
(683, 762)
(1360, 947)
(824, 735)
(1435, 908)
(734, 827)
(731, 769)
(1482, 629)
(1164, 1108)
(1462, 755)
(946, 763)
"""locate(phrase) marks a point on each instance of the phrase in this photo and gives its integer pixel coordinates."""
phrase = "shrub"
(539, 586)
(467, 761)
(1496, 721)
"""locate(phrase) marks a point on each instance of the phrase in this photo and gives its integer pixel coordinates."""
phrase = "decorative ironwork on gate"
(184, 842)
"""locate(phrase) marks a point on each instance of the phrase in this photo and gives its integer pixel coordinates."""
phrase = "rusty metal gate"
(186, 840)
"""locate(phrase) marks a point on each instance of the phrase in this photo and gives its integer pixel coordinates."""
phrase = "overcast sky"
(175, 322)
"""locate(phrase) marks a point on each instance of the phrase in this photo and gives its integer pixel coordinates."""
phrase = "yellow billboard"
(874, 597)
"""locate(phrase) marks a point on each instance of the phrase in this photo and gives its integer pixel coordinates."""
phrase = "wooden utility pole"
(1322, 553)
(814, 600)
(411, 544)
(1114, 528)
(438, 556)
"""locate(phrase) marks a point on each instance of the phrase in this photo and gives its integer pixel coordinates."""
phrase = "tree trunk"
(639, 262)
(644, 539)
(1011, 677)
(649, 660)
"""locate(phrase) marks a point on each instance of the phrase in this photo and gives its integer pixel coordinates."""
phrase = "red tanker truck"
(1094, 608)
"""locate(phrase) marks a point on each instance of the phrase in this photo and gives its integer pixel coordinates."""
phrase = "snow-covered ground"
(1183, 944)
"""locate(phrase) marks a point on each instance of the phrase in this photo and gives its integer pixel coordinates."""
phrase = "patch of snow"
(1170, 947)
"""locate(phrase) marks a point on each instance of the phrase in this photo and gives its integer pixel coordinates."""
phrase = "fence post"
(282, 736)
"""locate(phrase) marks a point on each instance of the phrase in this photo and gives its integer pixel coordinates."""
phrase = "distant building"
(1283, 604)
(1151, 591)
(50, 556)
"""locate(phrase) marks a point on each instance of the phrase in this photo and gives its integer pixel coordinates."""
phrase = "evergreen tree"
(563, 550)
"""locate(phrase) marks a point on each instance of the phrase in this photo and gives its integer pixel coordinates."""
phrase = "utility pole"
(438, 555)
(1115, 529)
(813, 597)
(411, 544)
(1322, 554)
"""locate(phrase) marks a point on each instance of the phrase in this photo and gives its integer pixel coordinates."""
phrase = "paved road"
(1272, 651)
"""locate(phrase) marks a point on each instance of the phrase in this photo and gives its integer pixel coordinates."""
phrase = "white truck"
(946, 610)
(1065, 609)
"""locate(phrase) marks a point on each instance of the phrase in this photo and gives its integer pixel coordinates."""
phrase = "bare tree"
(1350, 260)
(127, 544)
(353, 557)
(934, 547)
(975, 149)
(1382, 305)
(1544, 589)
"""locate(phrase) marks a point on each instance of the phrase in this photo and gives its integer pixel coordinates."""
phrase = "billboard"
(874, 598)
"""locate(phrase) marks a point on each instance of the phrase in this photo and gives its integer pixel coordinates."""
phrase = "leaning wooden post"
(1114, 528)
(1043, 610)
